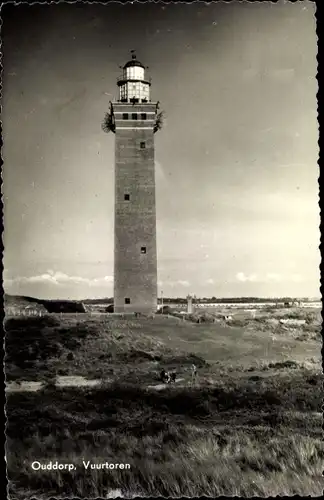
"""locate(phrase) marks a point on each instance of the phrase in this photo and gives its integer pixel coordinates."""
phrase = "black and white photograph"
(161, 261)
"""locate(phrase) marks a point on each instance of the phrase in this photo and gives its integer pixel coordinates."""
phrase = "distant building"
(189, 304)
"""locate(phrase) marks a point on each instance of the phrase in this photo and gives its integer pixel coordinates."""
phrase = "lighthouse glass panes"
(134, 86)
(134, 73)
(138, 90)
(122, 92)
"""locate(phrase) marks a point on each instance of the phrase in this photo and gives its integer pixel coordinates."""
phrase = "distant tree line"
(105, 300)
(231, 300)
(12, 300)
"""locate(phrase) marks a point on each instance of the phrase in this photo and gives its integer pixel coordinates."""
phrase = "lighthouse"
(134, 120)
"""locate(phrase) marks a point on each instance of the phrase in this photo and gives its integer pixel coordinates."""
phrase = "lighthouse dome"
(133, 84)
(134, 62)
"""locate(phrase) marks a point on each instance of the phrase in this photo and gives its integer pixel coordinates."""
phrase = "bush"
(29, 340)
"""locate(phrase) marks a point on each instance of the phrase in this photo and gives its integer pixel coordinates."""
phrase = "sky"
(236, 160)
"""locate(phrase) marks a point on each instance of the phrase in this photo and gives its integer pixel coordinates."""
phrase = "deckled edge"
(317, 16)
(6, 483)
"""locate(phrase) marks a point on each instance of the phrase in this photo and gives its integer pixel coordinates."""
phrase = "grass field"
(250, 425)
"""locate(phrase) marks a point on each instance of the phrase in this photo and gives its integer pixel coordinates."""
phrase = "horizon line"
(237, 297)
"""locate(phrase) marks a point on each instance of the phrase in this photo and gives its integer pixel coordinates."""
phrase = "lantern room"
(133, 85)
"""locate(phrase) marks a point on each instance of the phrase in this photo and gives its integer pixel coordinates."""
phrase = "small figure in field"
(165, 377)
(173, 377)
(193, 372)
(162, 375)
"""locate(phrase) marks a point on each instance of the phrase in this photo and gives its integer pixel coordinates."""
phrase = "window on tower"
(125, 116)
(134, 116)
(143, 249)
(126, 197)
(143, 145)
(143, 116)
(127, 300)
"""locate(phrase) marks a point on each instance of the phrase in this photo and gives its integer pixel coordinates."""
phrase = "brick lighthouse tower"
(134, 121)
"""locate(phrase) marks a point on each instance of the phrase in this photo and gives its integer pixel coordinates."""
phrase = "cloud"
(273, 277)
(210, 281)
(243, 277)
(58, 278)
(269, 278)
(183, 283)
